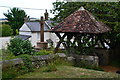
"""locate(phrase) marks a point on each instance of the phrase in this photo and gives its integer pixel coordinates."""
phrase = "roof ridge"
(96, 21)
(28, 25)
(92, 18)
(81, 8)
(47, 24)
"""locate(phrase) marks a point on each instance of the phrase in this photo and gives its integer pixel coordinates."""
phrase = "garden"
(40, 65)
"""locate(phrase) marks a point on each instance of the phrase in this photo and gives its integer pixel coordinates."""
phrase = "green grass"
(6, 55)
(69, 72)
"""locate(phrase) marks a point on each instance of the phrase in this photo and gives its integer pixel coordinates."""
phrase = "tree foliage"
(6, 30)
(15, 18)
(107, 12)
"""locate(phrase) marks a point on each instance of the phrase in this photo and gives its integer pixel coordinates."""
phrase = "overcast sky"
(37, 4)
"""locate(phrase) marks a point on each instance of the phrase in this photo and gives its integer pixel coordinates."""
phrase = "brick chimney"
(26, 19)
(46, 15)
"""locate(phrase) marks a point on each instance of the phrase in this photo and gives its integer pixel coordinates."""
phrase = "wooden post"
(61, 41)
(42, 29)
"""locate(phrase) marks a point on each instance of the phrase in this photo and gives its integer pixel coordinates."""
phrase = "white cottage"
(31, 31)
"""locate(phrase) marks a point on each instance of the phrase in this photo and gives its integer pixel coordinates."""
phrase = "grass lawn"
(69, 72)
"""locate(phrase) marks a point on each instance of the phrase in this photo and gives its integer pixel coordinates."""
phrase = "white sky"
(39, 4)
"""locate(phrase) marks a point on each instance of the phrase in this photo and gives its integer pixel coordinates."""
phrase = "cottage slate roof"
(81, 21)
(35, 26)
(23, 37)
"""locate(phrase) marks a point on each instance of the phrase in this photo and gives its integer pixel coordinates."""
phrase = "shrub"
(51, 67)
(18, 46)
(6, 30)
(44, 52)
(14, 70)
(10, 72)
(7, 55)
(28, 66)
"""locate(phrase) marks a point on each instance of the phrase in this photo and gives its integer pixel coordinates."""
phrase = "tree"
(15, 18)
(107, 12)
(6, 30)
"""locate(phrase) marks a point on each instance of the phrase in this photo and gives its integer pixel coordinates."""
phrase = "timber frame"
(77, 38)
(81, 29)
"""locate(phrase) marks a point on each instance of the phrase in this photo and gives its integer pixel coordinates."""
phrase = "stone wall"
(38, 61)
(84, 60)
(103, 55)
(42, 60)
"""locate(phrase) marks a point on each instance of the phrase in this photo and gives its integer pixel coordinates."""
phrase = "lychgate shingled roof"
(23, 37)
(81, 21)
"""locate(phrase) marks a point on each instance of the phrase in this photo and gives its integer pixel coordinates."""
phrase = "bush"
(57, 61)
(51, 67)
(10, 72)
(44, 52)
(6, 30)
(14, 70)
(28, 66)
(7, 55)
(18, 46)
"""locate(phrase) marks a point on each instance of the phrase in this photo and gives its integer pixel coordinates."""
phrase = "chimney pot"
(46, 15)
(26, 19)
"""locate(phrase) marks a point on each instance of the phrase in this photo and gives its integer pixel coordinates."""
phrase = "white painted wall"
(4, 41)
(47, 35)
(24, 28)
(54, 38)
(34, 39)
(24, 33)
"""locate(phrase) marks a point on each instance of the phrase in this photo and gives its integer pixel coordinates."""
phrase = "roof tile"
(81, 21)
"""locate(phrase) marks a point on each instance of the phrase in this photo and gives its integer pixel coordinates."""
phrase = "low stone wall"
(38, 61)
(103, 55)
(84, 60)
(42, 60)
(7, 63)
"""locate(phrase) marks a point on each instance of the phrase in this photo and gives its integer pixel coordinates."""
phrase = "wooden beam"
(61, 41)
(101, 41)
